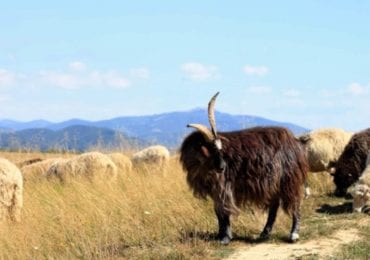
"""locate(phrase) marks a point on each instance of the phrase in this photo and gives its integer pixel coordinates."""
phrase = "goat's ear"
(205, 151)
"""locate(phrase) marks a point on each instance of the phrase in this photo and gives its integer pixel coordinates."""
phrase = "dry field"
(151, 214)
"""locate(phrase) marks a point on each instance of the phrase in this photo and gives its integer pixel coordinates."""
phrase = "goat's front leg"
(224, 229)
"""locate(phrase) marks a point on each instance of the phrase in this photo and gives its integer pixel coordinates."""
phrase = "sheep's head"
(342, 180)
(360, 194)
(210, 148)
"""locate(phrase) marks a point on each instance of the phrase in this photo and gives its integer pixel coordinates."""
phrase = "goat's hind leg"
(296, 219)
(270, 219)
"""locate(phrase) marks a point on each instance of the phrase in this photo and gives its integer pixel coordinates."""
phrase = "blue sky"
(305, 62)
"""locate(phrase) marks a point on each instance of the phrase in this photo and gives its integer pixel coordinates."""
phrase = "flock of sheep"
(91, 166)
(346, 156)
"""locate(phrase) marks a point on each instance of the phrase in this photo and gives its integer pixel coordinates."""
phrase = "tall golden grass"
(141, 211)
(147, 213)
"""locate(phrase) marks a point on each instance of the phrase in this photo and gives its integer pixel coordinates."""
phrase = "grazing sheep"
(323, 147)
(38, 169)
(122, 162)
(157, 154)
(361, 189)
(264, 166)
(93, 165)
(11, 190)
(28, 162)
(352, 162)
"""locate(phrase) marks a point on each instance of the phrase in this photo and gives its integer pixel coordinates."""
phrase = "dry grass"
(37, 171)
(144, 215)
(140, 214)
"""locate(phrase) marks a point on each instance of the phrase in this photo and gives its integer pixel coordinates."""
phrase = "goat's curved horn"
(211, 114)
(204, 131)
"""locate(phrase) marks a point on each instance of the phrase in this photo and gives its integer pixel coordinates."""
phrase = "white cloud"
(60, 79)
(255, 70)
(76, 76)
(77, 66)
(114, 79)
(259, 90)
(199, 72)
(7, 78)
(357, 89)
(292, 93)
(67, 80)
(140, 73)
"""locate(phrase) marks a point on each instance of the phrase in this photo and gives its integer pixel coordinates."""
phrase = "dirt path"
(322, 247)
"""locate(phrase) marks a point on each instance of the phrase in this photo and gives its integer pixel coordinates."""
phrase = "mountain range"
(128, 132)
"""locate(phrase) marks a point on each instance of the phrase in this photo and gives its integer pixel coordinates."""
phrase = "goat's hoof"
(263, 236)
(294, 237)
(225, 240)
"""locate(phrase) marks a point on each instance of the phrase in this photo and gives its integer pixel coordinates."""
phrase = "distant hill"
(9, 125)
(72, 138)
(168, 128)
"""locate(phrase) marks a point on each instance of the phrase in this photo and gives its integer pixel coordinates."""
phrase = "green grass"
(359, 249)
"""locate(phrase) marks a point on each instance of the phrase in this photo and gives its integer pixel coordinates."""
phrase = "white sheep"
(92, 165)
(38, 169)
(11, 190)
(157, 155)
(361, 189)
(122, 161)
(323, 147)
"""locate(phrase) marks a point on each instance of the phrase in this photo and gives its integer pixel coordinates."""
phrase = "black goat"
(352, 162)
(265, 166)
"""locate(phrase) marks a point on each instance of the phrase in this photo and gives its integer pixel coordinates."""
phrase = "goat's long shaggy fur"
(263, 165)
(92, 166)
(352, 161)
(324, 146)
(11, 190)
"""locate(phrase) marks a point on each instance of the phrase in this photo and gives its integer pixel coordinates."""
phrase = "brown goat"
(264, 166)
(352, 162)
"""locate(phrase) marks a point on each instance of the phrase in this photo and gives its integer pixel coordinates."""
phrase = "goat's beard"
(223, 194)
(217, 185)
